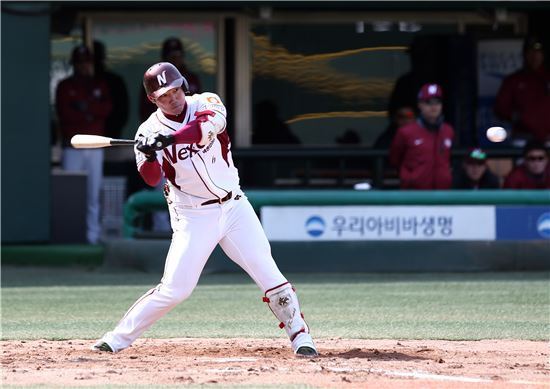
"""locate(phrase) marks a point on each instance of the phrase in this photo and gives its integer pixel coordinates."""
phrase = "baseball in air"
(496, 134)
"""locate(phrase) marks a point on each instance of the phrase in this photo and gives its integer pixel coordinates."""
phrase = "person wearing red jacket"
(524, 97)
(83, 103)
(172, 51)
(534, 172)
(422, 150)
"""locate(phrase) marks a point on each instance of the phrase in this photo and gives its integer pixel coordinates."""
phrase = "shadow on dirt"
(373, 354)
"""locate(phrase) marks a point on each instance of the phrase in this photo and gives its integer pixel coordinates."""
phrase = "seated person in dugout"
(474, 173)
(534, 172)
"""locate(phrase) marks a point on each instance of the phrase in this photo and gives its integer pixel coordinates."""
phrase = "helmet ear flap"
(185, 86)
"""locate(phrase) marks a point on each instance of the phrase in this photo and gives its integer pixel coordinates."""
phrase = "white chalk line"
(435, 377)
(396, 373)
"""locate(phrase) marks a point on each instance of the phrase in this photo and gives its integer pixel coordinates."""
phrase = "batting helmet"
(161, 77)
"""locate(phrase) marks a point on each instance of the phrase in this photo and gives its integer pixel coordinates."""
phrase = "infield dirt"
(343, 363)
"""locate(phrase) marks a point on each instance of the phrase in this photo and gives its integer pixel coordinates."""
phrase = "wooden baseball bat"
(96, 141)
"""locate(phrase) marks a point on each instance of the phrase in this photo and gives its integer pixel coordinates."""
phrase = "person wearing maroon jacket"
(524, 97)
(534, 172)
(83, 103)
(172, 51)
(422, 150)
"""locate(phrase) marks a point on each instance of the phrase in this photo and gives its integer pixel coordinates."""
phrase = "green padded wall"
(25, 123)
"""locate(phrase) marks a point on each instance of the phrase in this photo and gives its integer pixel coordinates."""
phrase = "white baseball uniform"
(206, 207)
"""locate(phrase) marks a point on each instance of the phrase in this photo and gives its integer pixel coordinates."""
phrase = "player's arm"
(397, 149)
(150, 172)
(213, 115)
(209, 121)
(147, 161)
(504, 101)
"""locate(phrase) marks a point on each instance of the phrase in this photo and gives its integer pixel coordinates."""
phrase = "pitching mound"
(343, 363)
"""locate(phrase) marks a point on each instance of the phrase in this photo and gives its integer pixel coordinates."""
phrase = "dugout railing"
(325, 176)
(340, 167)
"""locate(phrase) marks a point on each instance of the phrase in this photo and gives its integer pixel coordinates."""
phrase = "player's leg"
(246, 244)
(244, 241)
(90, 161)
(72, 160)
(77, 161)
(195, 237)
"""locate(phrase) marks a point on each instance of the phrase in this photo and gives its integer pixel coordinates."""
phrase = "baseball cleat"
(102, 346)
(306, 351)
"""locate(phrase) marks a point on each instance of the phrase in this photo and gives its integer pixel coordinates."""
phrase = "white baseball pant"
(196, 232)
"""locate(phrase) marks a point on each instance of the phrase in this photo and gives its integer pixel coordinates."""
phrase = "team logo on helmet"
(161, 78)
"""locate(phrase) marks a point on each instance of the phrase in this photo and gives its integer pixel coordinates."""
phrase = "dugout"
(302, 55)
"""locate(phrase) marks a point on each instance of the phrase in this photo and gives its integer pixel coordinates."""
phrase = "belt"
(219, 201)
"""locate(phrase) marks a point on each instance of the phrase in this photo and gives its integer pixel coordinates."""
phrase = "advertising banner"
(345, 223)
(523, 223)
(339, 223)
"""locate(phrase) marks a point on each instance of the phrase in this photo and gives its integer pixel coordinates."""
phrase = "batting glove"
(162, 141)
(147, 150)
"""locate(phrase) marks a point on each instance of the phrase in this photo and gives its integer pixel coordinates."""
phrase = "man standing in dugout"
(421, 150)
(524, 97)
(185, 140)
(83, 102)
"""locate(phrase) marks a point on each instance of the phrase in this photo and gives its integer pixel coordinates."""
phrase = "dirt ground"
(343, 363)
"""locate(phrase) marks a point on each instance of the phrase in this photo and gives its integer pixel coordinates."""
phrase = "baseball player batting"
(185, 139)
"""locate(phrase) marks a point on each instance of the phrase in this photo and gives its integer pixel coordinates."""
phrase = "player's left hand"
(162, 141)
(203, 116)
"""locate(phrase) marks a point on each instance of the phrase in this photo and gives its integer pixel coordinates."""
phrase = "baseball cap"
(476, 155)
(533, 145)
(81, 54)
(430, 91)
(171, 45)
